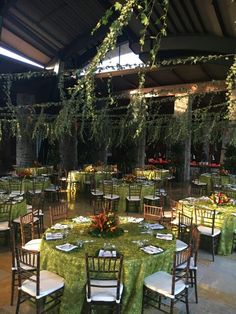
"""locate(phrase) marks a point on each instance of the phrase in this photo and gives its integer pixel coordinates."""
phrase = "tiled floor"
(216, 281)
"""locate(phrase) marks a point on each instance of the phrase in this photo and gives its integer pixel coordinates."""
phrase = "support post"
(25, 145)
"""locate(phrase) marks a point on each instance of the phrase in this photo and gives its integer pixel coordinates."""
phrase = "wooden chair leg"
(13, 279)
(213, 249)
(195, 283)
(186, 301)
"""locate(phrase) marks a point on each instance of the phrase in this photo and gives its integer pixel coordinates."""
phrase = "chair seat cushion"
(208, 231)
(4, 226)
(180, 245)
(167, 214)
(151, 197)
(106, 294)
(199, 183)
(49, 283)
(161, 282)
(111, 196)
(133, 198)
(96, 193)
(33, 245)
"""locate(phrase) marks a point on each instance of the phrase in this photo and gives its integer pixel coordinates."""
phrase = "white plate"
(150, 249)
(67, 247)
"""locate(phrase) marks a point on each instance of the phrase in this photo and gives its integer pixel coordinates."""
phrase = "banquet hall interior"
(118, 156)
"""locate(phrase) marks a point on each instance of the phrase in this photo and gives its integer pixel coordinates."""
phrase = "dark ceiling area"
(50, 30)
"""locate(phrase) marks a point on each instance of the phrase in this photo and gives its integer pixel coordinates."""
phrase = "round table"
(225, 220)
(137, 264)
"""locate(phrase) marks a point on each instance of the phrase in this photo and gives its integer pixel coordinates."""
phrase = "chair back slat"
(104, 268)
(28, 263)
(185, 225)
(27, 227)
(135, 190)
(108, 187)
(5, 212)
(153, 213)
(180, 267)
(205, 217)
(58, 212)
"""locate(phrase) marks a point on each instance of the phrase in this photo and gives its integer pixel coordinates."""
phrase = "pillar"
(68, 150)
(25, 145)
(183, 105)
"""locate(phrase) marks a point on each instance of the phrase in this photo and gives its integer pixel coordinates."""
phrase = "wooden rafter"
(178, 89)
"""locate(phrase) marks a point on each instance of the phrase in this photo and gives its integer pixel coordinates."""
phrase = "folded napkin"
(59, 226)
(156, 226)
(150, 249)
(53, 236)
(164, 236)
(103, 253)
(81, 219)
(67, 247)
(134, 220)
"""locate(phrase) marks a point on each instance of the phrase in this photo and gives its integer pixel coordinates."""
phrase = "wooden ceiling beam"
(177, 89)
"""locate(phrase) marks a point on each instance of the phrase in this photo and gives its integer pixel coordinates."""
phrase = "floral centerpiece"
(26, 173)
(105, 225)
(129, 178)
(223, 172)
(219, 198)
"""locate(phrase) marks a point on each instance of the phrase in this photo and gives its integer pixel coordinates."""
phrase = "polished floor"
(216, 281)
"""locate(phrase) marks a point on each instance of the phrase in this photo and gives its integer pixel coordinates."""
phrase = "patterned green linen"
(123, 191)
(206, 178)
(26, 185)
(79, 176)
(18, 209)
(137, 265)
(36, 170)
(152, 174)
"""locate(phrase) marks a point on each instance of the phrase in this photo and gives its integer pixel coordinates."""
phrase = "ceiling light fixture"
(15, 56)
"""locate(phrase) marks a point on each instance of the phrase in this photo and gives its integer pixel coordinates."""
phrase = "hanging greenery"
(109, 118)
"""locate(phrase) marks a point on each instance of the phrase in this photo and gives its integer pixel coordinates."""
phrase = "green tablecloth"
(152, 174)
(18, 209)
(137, 265)
(26, 185)
(36, 170)
(123, 191)
(206, 178)
(80, 176)
(224, 220)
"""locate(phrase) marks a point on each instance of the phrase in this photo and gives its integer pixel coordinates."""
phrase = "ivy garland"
(104, 118)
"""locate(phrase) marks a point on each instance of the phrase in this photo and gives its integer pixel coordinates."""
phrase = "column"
(25, 145)
(68, 150)
(183, 105)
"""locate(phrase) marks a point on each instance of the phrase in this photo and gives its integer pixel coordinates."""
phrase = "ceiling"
(48, 30)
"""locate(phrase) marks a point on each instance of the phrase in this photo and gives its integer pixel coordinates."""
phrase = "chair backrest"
(135, 191)
(38, 184)
(185, 225)
(28, 264)
(16, 185)
(27, 227)
(108, 187)
(180, 267)
(205, 217)
(5, 213)
(104, 268)
(195, 241)
(153, 213)
(58, 212)
(216, 181)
